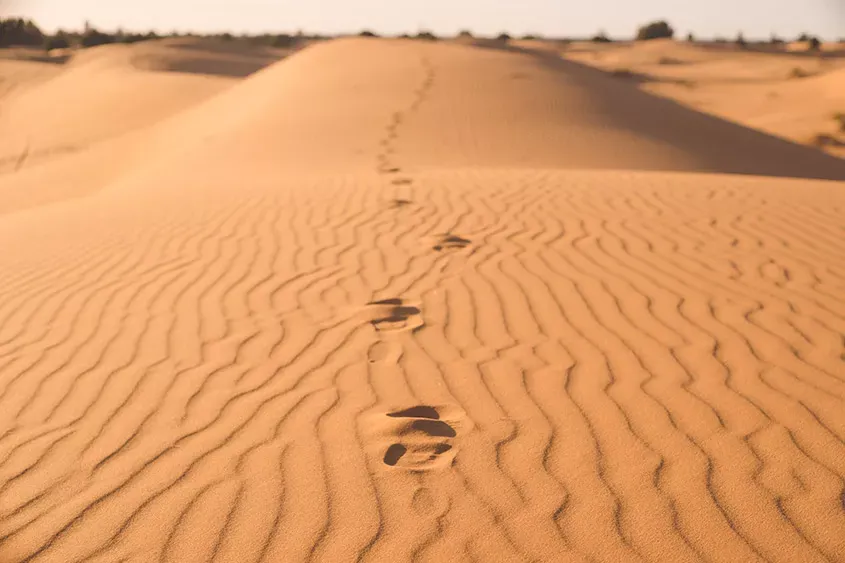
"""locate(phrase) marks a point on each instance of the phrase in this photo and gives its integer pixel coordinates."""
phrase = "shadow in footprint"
(398, 314)
(441, 449)
(417, 412)
(394, 454)
(451, 242)
(401, 181)
(393, 314)
(391, 301)
(397, 203)
(434, 428)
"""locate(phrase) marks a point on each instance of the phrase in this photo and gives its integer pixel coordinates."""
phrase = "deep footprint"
(397, 315)
(417, 412)
(434, 428)
(390, 315)
(394, 454)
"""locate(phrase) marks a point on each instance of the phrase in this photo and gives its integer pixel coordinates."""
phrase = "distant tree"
(427, 36)
(465, 34)
(601, 37)
(18, 31)
(740, 41)
(775, 40)
(690, 37)
(803, 37)
(814, 44)
(367, 33)
(530, 37)
(503, 37)
(58, 41)
(92, 37)
(655, 30)
(130, 38)
(283, 41)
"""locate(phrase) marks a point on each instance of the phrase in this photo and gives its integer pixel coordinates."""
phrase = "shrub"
(503, 37)
(655, 30)
(427, 36)
(775, 40)
(367, 33)
(465, 34)
(740, 41)
(814, 44)
(531, 37)
(601, 37)
(690, 37)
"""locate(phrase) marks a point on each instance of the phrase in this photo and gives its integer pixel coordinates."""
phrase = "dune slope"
(297, 337)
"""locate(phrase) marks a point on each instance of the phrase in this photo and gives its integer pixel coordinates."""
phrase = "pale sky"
(554, 18)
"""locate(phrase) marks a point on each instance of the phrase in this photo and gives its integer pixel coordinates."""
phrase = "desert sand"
(390, 300)
(784, 91)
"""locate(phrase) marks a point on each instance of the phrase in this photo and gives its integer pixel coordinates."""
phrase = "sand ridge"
(343, 322)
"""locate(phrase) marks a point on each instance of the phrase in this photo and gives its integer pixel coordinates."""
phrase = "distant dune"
(793, 94)
(391, 300)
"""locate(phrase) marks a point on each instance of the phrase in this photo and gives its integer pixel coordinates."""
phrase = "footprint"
(390, 315)
(386, 170)
(421, 444)
(384, 353)
(401, 181)
(397, 203)
(451, 242)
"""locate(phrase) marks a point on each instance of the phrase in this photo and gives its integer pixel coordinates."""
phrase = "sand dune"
(401, 301)
(106, 92)
(793, 95)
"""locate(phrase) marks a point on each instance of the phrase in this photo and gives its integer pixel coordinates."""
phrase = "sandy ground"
(785, 91)
(405, 301)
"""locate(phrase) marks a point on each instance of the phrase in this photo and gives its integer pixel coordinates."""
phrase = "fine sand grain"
(403, 301)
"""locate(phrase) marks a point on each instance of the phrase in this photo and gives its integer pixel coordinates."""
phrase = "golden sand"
(404, 301)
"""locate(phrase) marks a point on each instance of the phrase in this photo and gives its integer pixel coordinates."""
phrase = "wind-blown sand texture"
(403, 301)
